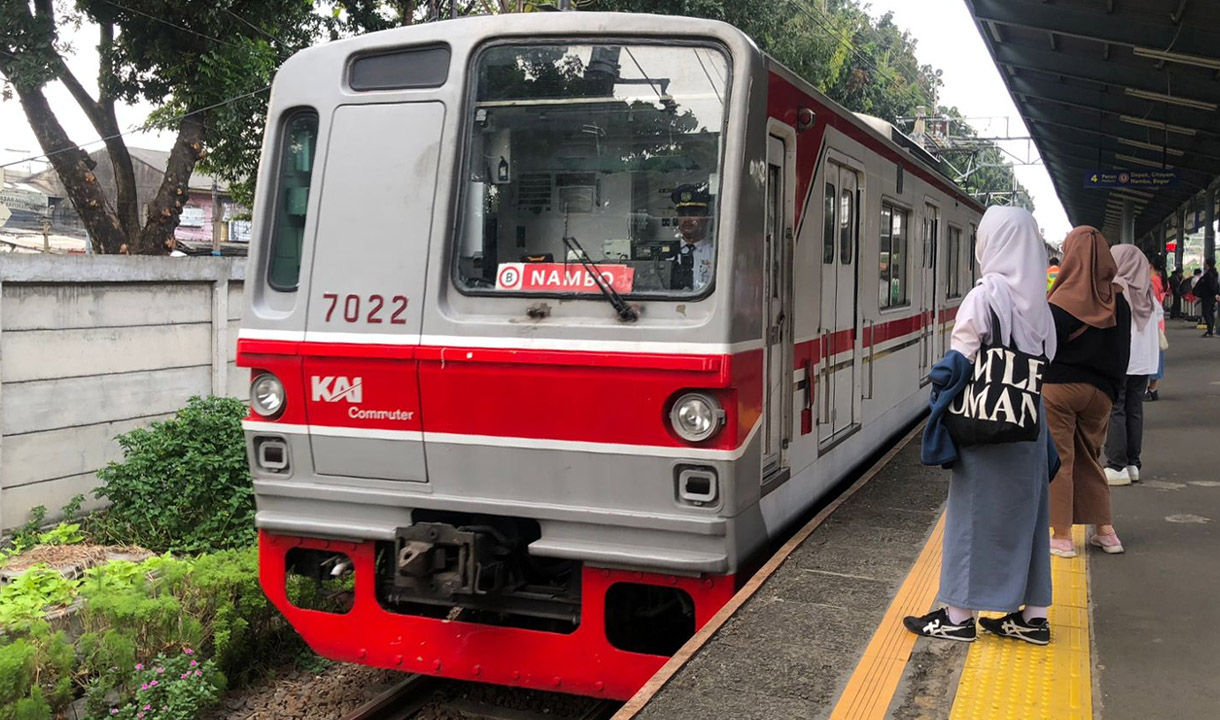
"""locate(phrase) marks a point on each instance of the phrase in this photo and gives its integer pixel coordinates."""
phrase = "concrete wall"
(93, 346)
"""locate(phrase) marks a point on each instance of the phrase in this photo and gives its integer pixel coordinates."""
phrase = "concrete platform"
(1156, 608)
(820, 636)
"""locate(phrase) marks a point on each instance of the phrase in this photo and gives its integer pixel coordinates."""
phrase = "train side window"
(298, 143)
(829, 225)
(893, 256)
(953, 263)
(847, 213)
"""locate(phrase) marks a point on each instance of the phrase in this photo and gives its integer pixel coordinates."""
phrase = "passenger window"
(298, 142)
(893, 256)
(846, 218)
(828, 224)
(953, 270)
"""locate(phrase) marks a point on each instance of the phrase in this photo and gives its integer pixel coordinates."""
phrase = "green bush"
(130, 613)
(184, 483)
(35, 674)
(212, 602)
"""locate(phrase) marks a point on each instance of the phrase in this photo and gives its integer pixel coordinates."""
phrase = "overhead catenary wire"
(709, 77)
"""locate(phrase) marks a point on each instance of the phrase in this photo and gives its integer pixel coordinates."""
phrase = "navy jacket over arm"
(948, 377)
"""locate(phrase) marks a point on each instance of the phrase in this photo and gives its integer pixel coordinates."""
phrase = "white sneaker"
(1134, 473)
(1117, 477)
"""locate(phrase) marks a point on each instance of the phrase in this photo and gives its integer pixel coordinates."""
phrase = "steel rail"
(400, 702)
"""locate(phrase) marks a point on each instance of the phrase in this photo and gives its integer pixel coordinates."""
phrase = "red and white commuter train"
(556, 320)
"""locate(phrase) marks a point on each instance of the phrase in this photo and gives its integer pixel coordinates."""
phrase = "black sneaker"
(1013, 625)
(936, 624)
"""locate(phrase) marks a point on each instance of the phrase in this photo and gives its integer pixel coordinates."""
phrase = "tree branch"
(128, 203)
(105, 123)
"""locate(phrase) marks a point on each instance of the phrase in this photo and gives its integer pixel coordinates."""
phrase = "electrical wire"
(822, 22)
(134, 128)
(256, 28)
(165, 22)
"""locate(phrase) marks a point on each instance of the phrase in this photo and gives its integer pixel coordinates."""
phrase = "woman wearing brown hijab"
(1093, 327)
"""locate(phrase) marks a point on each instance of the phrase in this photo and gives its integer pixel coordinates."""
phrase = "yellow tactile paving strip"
(872, 684)
(1009, 679)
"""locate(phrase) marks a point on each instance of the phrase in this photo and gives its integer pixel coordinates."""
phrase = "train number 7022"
(350, 311)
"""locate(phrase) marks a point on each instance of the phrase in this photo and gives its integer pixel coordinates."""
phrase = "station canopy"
(1114, 93)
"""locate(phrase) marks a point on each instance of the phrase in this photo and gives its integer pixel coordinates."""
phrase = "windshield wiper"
(626, 313)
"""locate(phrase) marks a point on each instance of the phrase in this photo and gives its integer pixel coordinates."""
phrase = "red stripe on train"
(580, 396)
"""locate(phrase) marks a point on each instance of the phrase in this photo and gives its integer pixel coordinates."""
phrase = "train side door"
(928, 305)
(837, 374)
(777, 310)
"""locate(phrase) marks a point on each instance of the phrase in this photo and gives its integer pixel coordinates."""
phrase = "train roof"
(882, 131)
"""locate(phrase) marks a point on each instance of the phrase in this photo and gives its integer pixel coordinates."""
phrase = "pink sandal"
(1109, 544)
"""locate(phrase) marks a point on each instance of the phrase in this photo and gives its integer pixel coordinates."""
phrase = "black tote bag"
(1002, 402)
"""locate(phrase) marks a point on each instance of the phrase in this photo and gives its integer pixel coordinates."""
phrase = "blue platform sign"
(1140, 179)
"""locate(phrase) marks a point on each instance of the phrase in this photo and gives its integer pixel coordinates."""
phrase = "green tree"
(206, 64)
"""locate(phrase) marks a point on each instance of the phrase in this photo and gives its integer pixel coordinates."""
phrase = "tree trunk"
(101, 116)
(166, 206)
(72, 165)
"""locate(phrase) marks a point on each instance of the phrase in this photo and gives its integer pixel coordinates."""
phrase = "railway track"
(405, 700)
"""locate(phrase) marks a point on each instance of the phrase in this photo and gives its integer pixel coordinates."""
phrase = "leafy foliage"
(28, 596)
(206, 64)
(35, 674)
(26, 538)
(184, 483)
(212, 602)
(133, 612)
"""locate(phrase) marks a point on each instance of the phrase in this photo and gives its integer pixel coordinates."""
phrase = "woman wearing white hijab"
(996, 552)
(1125, 436)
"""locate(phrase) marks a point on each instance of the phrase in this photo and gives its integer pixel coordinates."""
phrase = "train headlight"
(696, 417)
(267, 395)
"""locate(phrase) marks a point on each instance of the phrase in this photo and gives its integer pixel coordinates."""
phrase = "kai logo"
(334, 389)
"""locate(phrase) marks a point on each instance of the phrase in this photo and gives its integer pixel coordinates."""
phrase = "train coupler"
(439, 561)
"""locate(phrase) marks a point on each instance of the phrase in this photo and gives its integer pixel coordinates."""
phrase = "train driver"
(697, 255)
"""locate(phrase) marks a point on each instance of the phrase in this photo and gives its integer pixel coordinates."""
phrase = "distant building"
(27, 204)
(195, 224)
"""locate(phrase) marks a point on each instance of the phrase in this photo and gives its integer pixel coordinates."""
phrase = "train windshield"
(615, 148)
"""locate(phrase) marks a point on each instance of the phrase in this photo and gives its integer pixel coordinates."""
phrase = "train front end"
(505, 344)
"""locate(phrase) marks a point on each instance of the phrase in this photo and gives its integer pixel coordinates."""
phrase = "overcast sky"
(946, 35)
(949, 40)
